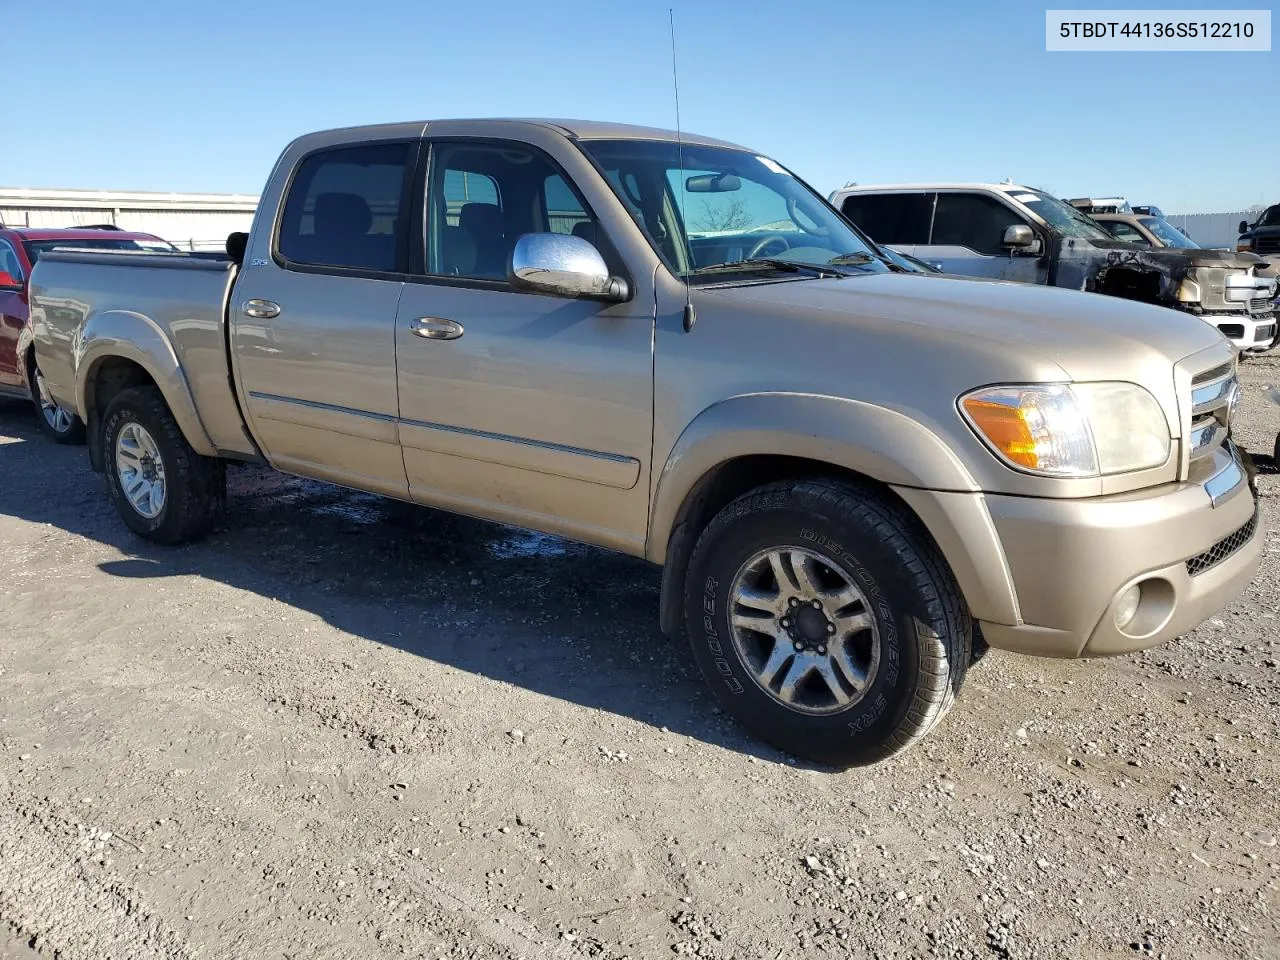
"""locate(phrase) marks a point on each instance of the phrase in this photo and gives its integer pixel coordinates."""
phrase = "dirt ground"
(345, 728)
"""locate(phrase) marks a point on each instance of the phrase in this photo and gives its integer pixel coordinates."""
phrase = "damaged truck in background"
(1010, 232)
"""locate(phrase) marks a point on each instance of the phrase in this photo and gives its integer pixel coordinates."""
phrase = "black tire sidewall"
(859, 732)
(121, 412)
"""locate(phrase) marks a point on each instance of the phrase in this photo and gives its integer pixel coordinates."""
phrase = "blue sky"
(139, 94)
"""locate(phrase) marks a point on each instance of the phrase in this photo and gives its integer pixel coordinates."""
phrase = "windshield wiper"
(767, 263)
(855, 259)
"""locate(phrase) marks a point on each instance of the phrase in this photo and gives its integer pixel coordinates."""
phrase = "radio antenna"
(689, 316)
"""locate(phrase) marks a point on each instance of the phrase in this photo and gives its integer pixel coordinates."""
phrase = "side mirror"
(9, 282)
(1018, 236)
(1244, 226)
(564, 265)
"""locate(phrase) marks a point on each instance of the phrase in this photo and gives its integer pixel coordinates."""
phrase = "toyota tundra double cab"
(1003, 231)
(851, 475)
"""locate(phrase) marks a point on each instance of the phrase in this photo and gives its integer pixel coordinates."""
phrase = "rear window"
(343, 209)
(891, 217)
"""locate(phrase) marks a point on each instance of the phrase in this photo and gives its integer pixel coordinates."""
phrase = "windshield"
(1271, 217)
(36, 247)
(1063, 217)
(1169, 235)
(720, 207)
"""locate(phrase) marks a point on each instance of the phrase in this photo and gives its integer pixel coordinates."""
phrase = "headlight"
(1076, 430)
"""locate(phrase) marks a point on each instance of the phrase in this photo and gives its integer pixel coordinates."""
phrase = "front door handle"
(436, 328)
(261, 309)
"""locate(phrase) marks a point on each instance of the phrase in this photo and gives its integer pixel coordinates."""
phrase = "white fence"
(1213, 229)
(192, 221)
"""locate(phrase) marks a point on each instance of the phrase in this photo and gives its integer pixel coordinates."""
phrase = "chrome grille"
(1211, 396)
(1224, 548)
(1213, 373)
(1261, 305)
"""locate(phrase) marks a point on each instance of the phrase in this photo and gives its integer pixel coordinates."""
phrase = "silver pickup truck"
(852, 476)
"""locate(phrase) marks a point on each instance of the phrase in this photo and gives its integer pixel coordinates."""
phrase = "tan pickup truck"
(851, 475)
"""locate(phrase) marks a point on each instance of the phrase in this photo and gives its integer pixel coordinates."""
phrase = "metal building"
(192, 221)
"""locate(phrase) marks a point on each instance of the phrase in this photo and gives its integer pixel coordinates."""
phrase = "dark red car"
(20, 248)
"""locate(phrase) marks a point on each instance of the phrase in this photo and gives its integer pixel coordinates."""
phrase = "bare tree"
(728, 216)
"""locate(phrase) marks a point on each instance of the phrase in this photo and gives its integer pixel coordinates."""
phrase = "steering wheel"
(808, 226)
(759, 247)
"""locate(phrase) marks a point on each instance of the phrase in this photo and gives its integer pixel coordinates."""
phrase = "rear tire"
(826, 620)
(56, 422)
(163, 490)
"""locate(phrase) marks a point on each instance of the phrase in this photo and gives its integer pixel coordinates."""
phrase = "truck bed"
(88, 300)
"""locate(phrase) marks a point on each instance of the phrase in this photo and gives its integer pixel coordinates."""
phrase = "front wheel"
(826, 621)
(57, 422)
(163, 490)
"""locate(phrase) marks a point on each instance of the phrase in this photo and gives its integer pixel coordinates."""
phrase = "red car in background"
(20, 248)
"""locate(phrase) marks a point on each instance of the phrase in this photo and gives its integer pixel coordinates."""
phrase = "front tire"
(56, 422)
(826, 621)
(163, 490)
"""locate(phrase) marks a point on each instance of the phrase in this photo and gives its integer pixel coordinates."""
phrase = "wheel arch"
(748, 441)
(122, 348)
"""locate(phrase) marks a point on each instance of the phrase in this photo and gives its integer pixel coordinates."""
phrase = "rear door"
(522, 407)
(899, 220)
(13, 313)
(314, 322)
(967, 238)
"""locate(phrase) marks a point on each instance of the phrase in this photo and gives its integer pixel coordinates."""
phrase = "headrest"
(345, 213)
(481, 219)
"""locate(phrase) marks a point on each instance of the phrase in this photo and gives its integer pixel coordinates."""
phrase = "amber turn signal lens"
(1006, 428)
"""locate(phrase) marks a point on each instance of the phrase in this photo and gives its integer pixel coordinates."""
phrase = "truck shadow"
(555, 617)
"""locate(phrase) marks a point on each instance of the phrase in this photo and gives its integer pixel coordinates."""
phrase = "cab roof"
(574, 129)
(900, 187)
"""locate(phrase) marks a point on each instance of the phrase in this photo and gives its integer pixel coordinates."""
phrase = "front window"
(1169, 235)
(36, 247)
(1062, 217)
(1125, 231)
(1270, 217)
(714, 208)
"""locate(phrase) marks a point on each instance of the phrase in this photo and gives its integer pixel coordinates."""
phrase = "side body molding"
(874, 441)
(127, 335)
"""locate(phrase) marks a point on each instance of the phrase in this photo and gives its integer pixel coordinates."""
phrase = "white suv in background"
(1003, 231)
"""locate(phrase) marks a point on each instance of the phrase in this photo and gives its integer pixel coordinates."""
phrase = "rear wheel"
(162, 489)
(826, 621)
(57, 422)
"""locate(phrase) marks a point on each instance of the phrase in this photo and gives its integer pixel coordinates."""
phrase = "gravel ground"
(341, 727)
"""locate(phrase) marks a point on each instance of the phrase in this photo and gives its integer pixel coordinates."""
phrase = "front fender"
(127, 335)
(874, 441)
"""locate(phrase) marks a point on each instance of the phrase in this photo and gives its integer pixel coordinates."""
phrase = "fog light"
(1127, 606)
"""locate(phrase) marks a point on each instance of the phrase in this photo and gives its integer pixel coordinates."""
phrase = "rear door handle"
(261, 309)
(436, 328)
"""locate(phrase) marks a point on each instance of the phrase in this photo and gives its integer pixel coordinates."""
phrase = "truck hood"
(1182, 256)
(1020, 330)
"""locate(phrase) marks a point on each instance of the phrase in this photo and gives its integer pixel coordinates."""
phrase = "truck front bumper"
(1249, 333)
(1072, 560)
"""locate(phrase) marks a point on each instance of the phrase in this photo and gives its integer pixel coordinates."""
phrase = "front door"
(516, 406)
(967, 239)
(314, 322)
